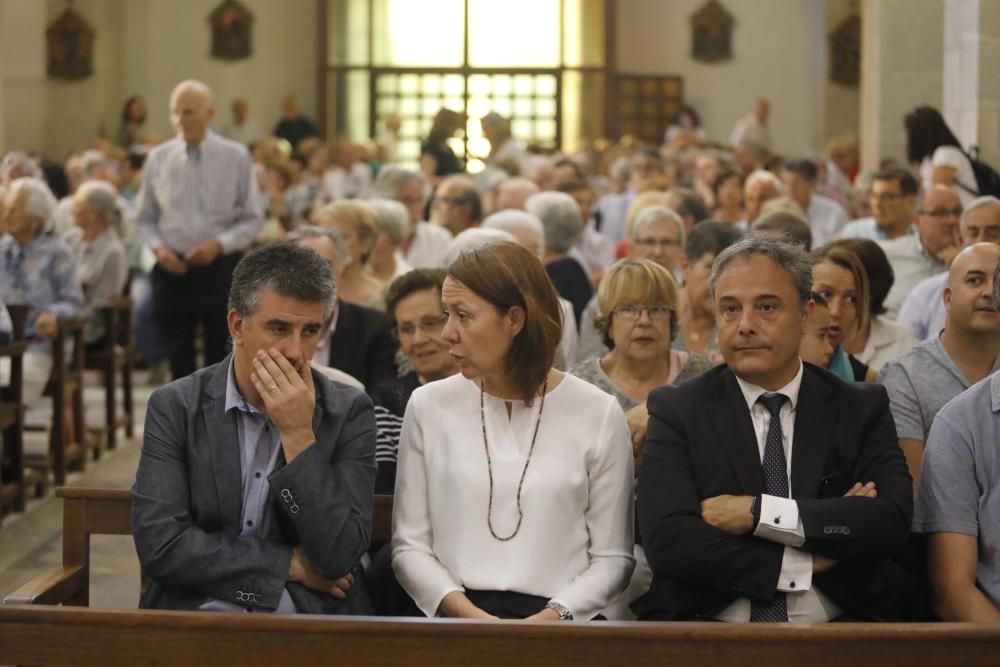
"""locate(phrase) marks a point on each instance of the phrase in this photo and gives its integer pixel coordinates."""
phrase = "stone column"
(901, 67)
(22, 74)
(971, 103)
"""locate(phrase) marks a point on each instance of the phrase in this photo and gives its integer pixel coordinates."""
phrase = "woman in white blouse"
(514, 486)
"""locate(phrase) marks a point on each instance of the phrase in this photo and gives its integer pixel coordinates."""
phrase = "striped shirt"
(40, 273)
(191, 194)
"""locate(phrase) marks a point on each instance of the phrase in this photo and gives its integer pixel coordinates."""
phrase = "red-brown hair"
(507, 275)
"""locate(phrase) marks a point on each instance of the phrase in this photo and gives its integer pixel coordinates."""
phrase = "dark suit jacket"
(361, 345)
(701, 444)
(188, 498)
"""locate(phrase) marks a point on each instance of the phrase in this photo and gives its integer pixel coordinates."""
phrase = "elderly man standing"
(915, 257)
(36, 269)
(771, 490)
(198, 211)
(255, 484)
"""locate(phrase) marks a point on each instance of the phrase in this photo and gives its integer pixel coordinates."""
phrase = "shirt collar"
(752, 392)
(234, 398)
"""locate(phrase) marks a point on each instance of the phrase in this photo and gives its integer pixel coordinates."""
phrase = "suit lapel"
(731, 420)
(815, 416)
(223, 446)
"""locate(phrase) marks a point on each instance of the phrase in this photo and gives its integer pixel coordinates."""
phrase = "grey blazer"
(188, 498)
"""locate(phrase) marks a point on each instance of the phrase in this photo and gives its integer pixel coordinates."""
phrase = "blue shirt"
(41, 274)
(259, 443)
(192, 194)
(867, 228)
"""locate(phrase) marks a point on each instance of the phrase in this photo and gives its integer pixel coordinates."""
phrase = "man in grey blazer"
(256, 481)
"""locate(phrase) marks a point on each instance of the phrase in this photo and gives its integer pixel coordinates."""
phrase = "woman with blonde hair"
(840, 278)
(358, 225)
(514, 482)
(637, 317)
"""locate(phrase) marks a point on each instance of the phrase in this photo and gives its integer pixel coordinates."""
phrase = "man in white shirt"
(243, 129)
(826, 217)
(753, 127)
(770, 490)
(930, 250)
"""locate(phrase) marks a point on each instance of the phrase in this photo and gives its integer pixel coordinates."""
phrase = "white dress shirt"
(575, 542)
(780, 521)
(429, 246)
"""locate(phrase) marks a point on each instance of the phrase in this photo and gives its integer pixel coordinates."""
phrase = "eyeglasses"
(632, 313)
(427, 325)
(653, 243)
(943, 213)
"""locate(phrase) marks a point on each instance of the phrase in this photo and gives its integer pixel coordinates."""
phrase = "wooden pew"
(12, 488)
(114, 359)
(68, 431)
(74, 636)
(89, 512)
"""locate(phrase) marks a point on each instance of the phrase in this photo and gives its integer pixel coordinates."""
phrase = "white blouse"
(575, 541)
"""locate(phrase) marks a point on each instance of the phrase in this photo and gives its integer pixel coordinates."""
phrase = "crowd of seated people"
(779, 365)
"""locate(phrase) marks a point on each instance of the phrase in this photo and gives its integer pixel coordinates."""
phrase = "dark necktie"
(775, 484)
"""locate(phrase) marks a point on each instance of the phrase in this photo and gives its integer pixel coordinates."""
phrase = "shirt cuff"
(780, 522)
(796, 571)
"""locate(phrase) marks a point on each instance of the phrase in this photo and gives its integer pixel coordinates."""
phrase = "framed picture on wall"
(69, 44)
(231, 25)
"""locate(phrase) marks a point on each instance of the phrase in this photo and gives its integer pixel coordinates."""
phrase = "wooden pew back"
(75, 636)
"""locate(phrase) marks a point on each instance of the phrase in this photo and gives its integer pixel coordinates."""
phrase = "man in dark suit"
(360, 343)
(256, 480)
(770, 490)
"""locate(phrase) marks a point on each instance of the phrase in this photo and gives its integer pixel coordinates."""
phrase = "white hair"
(40, 204)
(514, 221)
(560, 216)
(517, 189)
(198, 86)
(978, 202)
(19, 162)
(531, 165)
(102, 197)
(652, 214)
(392, 177)
(315, 231)
(765, 176)
(474, 237)
(393, 218)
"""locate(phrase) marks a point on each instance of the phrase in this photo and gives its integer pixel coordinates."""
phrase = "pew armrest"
(53, 587)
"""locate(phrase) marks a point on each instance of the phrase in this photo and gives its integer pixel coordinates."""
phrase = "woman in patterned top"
(637, 315)
(414, 315)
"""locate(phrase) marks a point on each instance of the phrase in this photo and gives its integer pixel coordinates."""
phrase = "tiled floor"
(31, 543)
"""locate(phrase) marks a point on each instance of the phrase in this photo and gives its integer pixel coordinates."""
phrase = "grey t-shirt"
(959, 489)
(591, 371)
(920, 382)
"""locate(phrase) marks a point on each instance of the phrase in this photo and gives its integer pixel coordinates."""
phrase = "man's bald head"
(969, 295)
(191, 110)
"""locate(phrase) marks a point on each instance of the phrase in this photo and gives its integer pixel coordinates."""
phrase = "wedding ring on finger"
(272, 387)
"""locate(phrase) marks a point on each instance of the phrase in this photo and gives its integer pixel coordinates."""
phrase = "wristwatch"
(564, 613)
(755, 510)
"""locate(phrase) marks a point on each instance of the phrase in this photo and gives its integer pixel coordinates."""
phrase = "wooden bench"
(68, 444)
(89, 512)
(74, 636)
(12, 488)
(113, 359)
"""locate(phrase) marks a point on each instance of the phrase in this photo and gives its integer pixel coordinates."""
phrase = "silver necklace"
(489, 461)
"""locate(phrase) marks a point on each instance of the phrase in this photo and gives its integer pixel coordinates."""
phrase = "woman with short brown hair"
(514, 485)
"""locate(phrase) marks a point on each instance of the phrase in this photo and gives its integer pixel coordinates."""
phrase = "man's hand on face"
(46, 325)
(303, 572)
(204, 253)
(170, 262)
(729, 513)
(289, 399)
